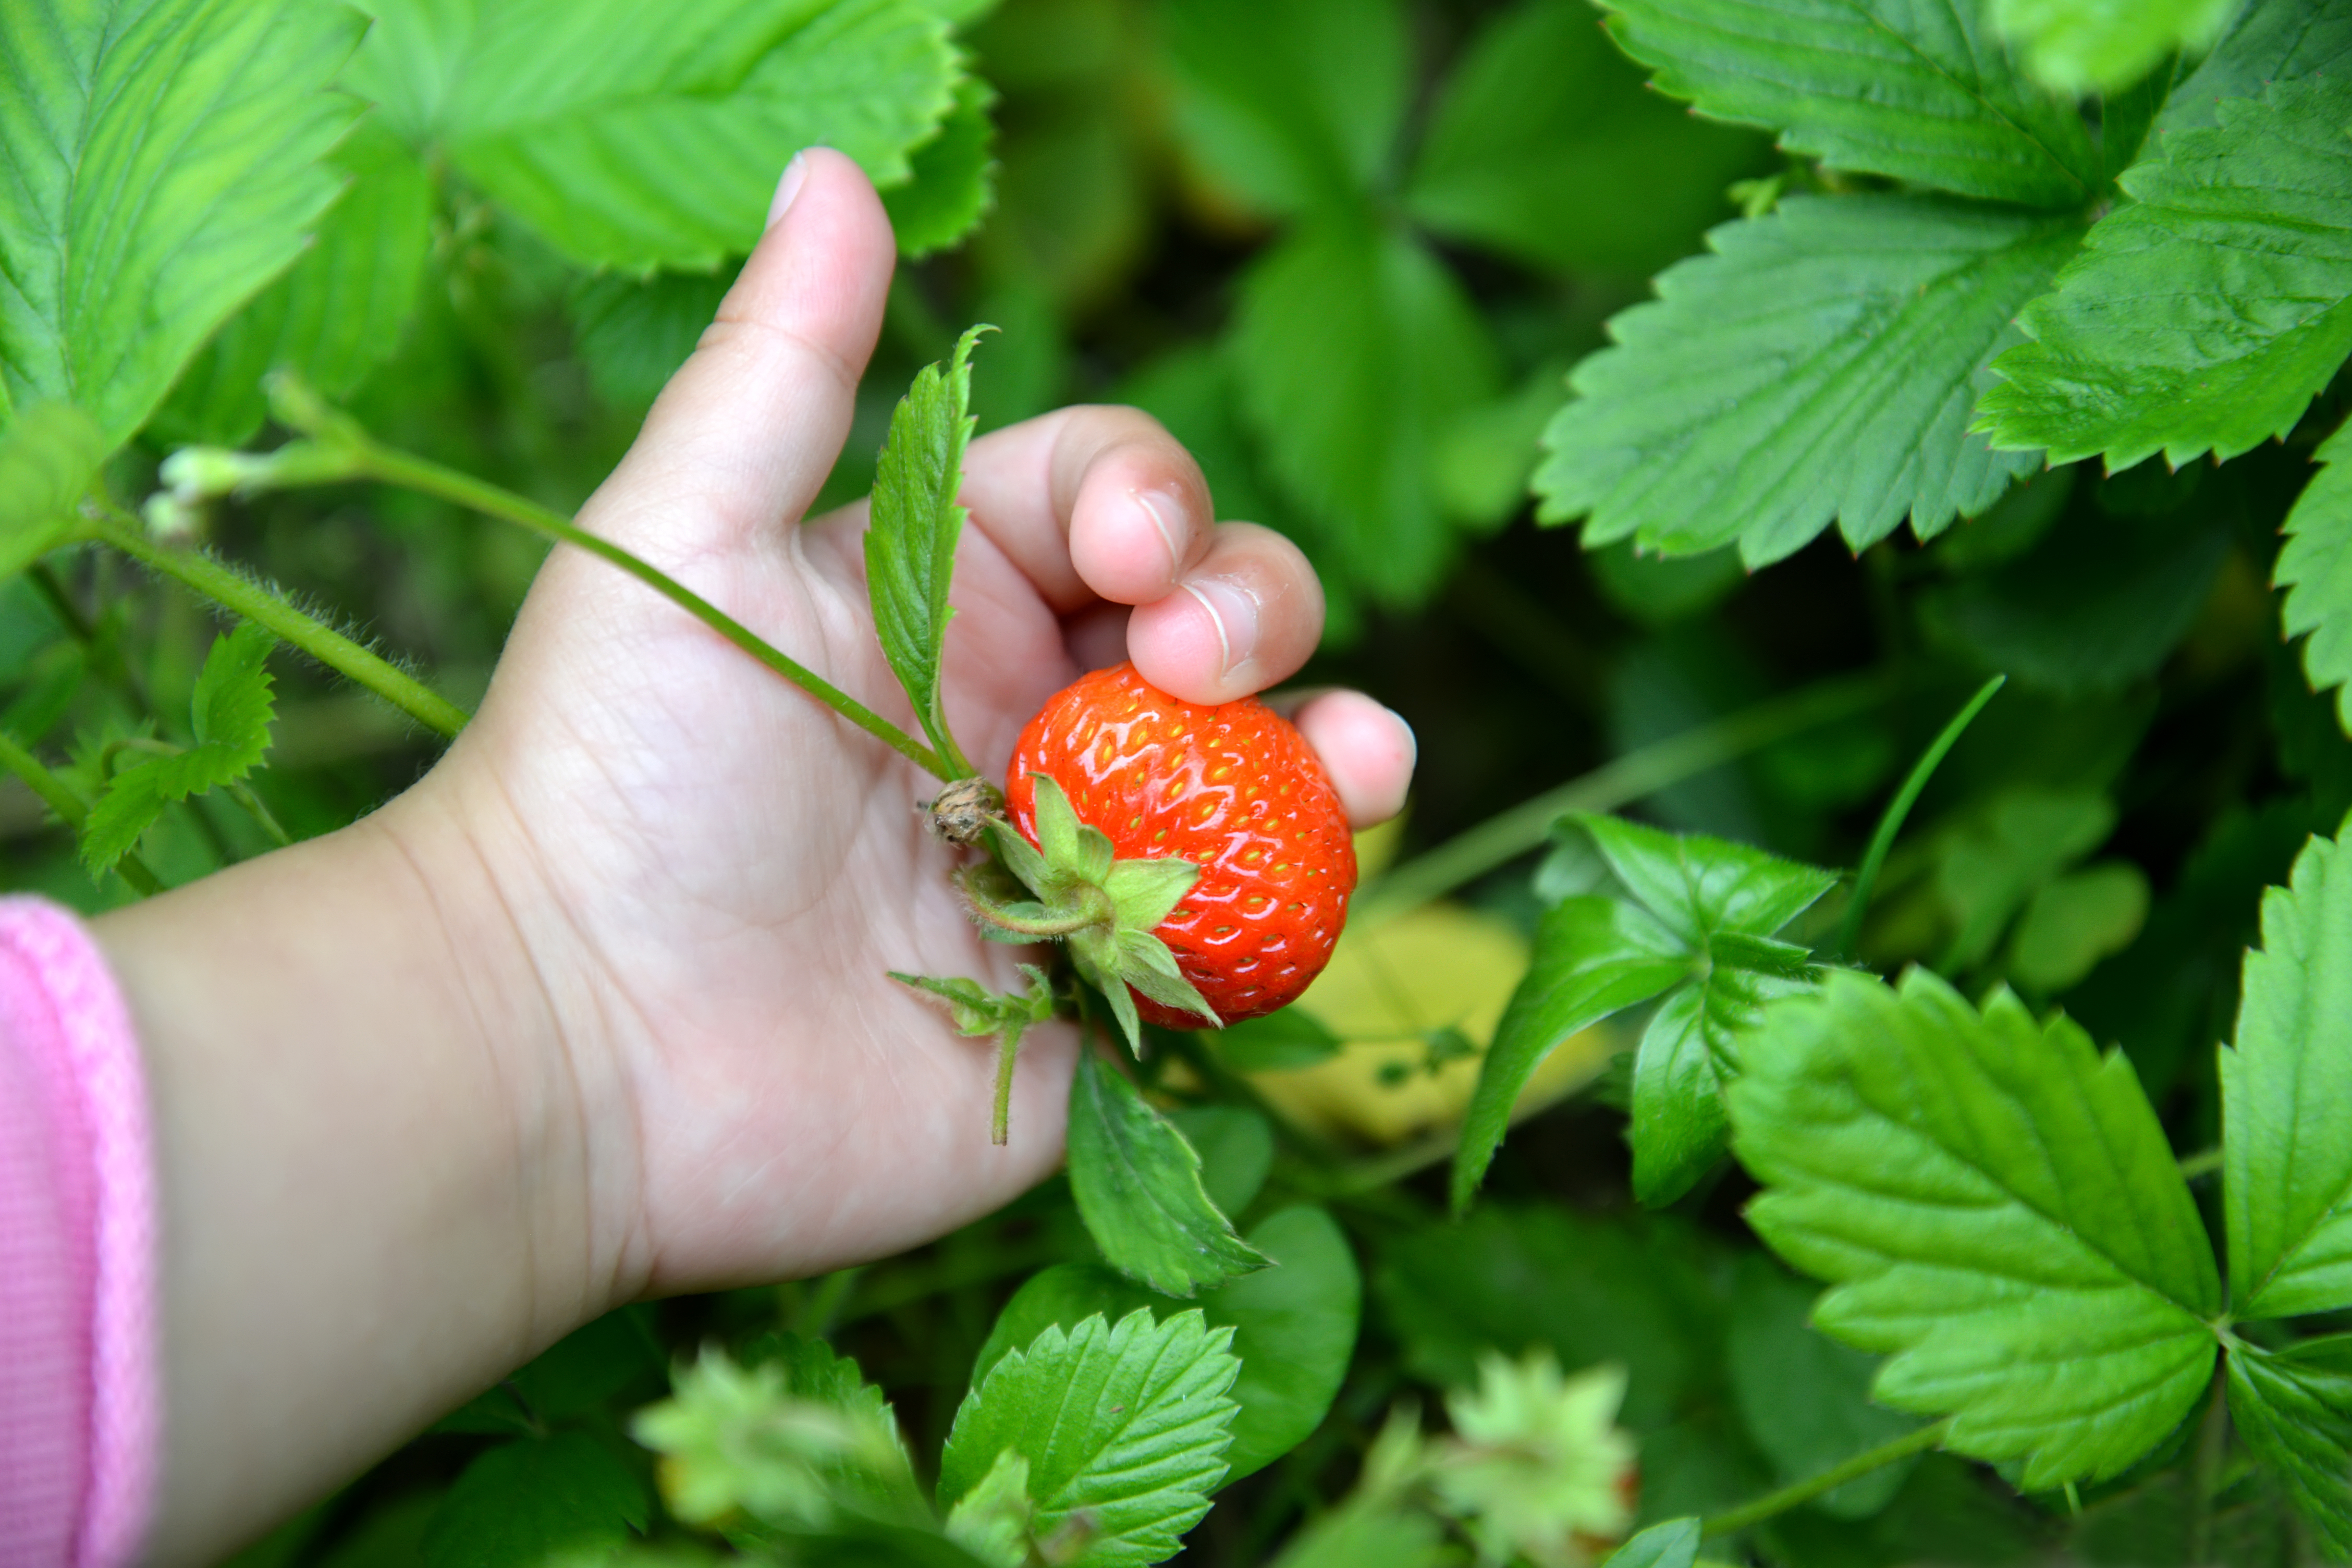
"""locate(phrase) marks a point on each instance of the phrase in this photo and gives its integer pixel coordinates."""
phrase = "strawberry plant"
(1844, 1059)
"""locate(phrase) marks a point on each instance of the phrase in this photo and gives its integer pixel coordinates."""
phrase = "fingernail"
(1158, 508)
(1412, 741)
(795, 176)
(1232, 609)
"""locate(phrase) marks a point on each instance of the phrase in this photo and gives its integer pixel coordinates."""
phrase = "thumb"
(745, 433)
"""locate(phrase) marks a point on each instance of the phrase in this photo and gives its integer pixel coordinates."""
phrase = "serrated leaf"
(2315, 568)
(230, 714)
(1821, 365)
(632, 334)
(1123, 1428)
(1917, 89)
(1998, 1210)
(1544, 146)
(335, 316)
(664, 153)
(2297, 1414)
(910, 544)
(1671, 1545)
(1701, 920)
(2205, 315)
(2272, 40)
(2287, 1149)
(953, 182)
(1297, 103)
(991, 1520)
(164, 163)
(1294, 1327)
(2082, 46)
(1237, 1149)
(1138, 1185)
(1356, 352)
(522, 1504)
(48, 458)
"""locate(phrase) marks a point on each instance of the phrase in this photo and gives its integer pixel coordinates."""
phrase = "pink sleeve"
(78, 1394)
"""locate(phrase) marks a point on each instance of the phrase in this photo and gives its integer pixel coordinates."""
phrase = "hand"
(599, 1009)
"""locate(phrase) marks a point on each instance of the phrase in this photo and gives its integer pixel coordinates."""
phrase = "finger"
(1246, 615)
(745, 433)
(1367, 750)
(1090, 502)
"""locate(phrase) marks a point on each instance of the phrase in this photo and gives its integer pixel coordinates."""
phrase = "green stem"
(431, 478)
(2205, 1469)
(71, 809)
(243, 795)
(1504, 838)
(258, 605)
(1772, 1504)
(1874, 859)
(1008, 1051)
(2204, 1163)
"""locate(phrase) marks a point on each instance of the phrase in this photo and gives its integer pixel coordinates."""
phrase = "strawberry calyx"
(1104, 909)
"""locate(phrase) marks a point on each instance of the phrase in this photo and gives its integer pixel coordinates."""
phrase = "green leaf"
(1672, 1544)
(2270, 42)
(2099, 45)
(1294, 1327)
(911, 546)
(335, 316)
(1998, 1209)
(1297, 103)
(664, 153)
(993, 1520)
(633, 334)
(1858, 326)
(1237, 1149)
(163, 160)
(1358, 1537)
(953, 182)
(1138, 1185)
(2315, 568)
(2205, 315)
(1802, 1396)
(1544, 145)
(1279, 1042)
(1701, 920)
(1594, 957)
(47, 459)
(2286, 1148)
(2297, 1416)
(522, 1504)
(1356, 352)
(1124, 1428)
(231, 716)
(1916, 89)
(2010, 845)
(2073, 923)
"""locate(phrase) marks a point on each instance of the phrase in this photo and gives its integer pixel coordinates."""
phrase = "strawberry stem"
(1008, 1050)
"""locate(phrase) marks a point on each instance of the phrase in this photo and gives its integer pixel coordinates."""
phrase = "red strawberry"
(1234, 789)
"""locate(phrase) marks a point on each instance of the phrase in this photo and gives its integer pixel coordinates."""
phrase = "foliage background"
(1346, 250)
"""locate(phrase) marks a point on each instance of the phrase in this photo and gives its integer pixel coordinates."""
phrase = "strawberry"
(1226, 843)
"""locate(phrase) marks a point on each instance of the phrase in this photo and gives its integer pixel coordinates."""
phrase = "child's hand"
(716, 872)
(599, 1008)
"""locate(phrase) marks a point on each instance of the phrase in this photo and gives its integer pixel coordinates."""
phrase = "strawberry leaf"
(2294, 1409)
(978, 1010)
(2204, 315)
(1998, 1212)
(994, 1520)
(526, 1502)
(1673, 1544)
(231, 716)
(48, 458)
(1123, 1428)
(1138, 1185)
(910, 544)
(2080, 47)
(1693, 924)
(2315, 568)
(2287, 1147)
(1921, 92)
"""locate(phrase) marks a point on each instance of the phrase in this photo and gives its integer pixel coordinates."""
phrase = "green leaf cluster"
(229, 718)
(1690, 923)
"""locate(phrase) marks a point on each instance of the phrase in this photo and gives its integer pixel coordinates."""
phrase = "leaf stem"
(71, 809)
(217, 581)
(411, 472)
(1008, 1051)
(1874, 858)
(1503, 839)
(2204, 1163)
(1770, 1504)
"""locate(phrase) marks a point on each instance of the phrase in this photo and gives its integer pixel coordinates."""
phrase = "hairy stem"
(1008, 1052)
(1501, 839)
(415, 473)
(258, 605)
(1899, 808)
(71, 809)
(1775, 1503)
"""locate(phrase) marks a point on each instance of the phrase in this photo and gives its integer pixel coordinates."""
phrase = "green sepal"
(978, 1012)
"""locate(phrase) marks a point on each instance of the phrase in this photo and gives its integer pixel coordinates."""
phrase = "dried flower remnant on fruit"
(960, 813)
(1234, 789)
